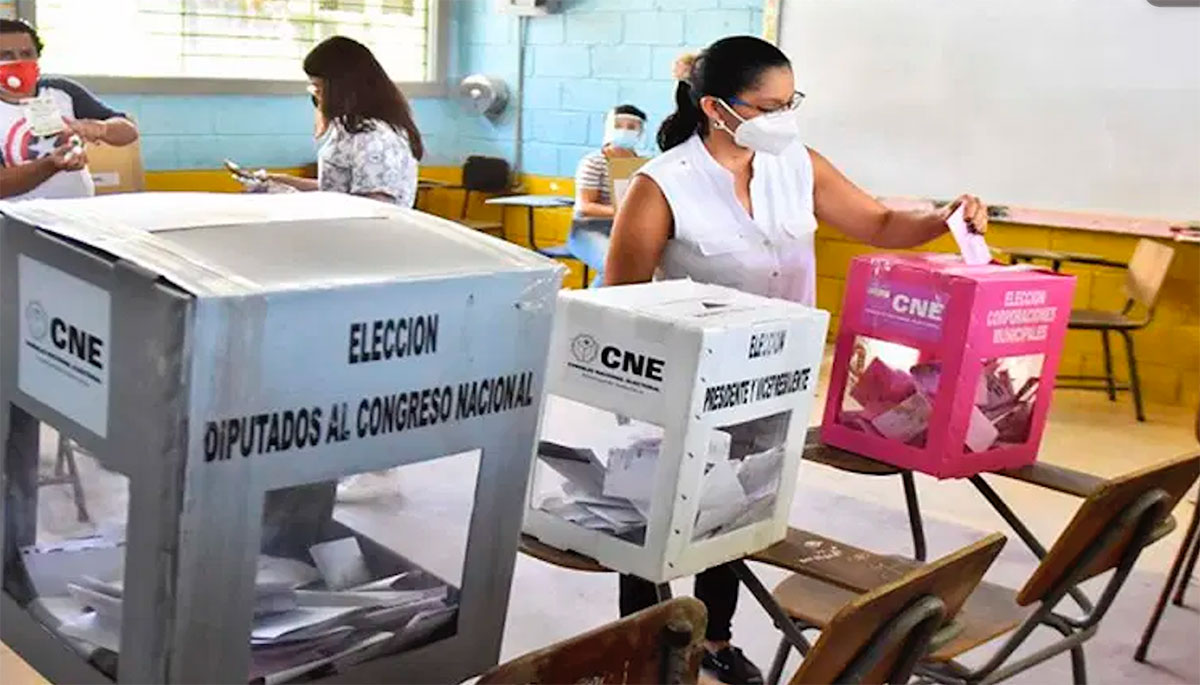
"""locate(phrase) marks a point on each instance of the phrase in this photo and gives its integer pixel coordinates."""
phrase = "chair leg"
(781, 655)
(1135, 384)
(587, 281)
(1078, 665)
(81, 512)
(914, 515)
(1139, 654)
(1108, 371)
(466, 201)
(1188, 570)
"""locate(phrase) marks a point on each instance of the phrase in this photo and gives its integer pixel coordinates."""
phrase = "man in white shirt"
(33, 163)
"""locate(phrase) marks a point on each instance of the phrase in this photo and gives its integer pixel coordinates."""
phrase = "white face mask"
(769, 133)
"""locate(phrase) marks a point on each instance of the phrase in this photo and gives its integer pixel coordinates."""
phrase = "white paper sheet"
(380, 598)
(341, 563)
(273, 671)
(93, 629)
(630, 473)
(721, 487)
(981, 432)
(388, 583)
(972, 246)
(283, 570)
(759, 473)
(107, 606)
(580, 466)
(303, 622)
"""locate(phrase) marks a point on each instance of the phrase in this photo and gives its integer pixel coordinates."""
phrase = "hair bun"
(682, 69)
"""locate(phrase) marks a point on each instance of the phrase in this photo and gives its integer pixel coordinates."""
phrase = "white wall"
(1089, 105)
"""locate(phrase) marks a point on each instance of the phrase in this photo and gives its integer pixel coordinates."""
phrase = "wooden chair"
(67, 473)
(1107, 533)
(1181, 571)
(662, 644)
(1144, 276)
(878, 636)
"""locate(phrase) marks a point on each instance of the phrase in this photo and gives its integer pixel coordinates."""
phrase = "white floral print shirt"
(377, 160)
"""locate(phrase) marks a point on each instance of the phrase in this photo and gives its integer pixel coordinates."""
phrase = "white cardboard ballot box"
(673, 426)
(291, 437)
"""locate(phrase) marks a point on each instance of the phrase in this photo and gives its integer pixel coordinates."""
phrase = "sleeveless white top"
(716, 241)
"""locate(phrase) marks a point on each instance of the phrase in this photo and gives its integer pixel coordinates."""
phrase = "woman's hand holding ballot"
(975, 213)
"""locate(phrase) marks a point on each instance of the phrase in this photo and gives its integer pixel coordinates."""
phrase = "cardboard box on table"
(116, 169)
(945, 368)
(228, 357)
(643, 375)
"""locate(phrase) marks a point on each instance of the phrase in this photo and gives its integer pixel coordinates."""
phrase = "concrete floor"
(1086, 432)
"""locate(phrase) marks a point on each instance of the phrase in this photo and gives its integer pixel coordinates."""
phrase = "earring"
(719, 125)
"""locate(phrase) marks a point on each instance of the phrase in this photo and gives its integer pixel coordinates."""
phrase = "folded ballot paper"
(616, 497)
(305, 617)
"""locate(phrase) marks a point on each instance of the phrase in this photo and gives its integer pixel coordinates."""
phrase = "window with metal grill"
(235, 40)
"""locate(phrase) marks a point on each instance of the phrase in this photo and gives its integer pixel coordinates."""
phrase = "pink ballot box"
(945, 368)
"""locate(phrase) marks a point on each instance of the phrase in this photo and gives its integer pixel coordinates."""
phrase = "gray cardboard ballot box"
(211, 366)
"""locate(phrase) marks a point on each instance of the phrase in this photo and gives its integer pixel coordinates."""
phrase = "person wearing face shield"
(734, 200)
(592, 223)
(44, 122)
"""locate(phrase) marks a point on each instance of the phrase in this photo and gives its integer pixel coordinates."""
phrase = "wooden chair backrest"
(633, 650)
(1147, 270)
(1100, 511)
(951, 579)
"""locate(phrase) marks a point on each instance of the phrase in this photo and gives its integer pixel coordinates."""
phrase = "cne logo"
(66, 337)
(584, 348)
(36, 320)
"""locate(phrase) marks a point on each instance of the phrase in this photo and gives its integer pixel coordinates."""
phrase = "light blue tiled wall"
(197, 132)
(579, 63)
(593, 55)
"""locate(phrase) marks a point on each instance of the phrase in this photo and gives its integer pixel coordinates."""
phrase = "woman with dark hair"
(734, 200)
(369, 143)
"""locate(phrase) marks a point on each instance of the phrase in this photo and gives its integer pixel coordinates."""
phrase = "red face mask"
(19, 77)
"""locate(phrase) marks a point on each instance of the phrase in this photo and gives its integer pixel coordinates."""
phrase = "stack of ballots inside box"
(615, 498)
(306, 618)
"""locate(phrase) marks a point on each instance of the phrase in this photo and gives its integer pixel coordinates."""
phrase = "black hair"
(22, 26)
(630, 110)
(356, 89)
(722, 70)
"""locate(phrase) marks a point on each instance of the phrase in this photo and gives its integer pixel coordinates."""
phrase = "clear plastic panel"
(596, 469)
(70, 541)
(742, 475)
(1004, 402)
(890, 391)
(348, 572)
(892, 388)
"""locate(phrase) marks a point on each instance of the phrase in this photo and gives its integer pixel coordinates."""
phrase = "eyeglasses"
(794, 103)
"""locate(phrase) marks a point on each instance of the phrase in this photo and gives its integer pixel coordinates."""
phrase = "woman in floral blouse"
(369, 144)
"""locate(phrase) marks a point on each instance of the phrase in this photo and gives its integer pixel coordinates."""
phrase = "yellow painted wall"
(1168, 351)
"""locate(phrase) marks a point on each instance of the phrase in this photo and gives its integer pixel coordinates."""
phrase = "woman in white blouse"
(369, 143)
(734, 200)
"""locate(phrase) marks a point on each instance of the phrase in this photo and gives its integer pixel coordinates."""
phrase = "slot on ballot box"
(943, 367)
(673, 425)
(290, 434)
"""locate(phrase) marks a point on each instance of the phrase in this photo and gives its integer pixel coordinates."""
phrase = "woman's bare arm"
(640, 233)
(588, 204)
(852, 211)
